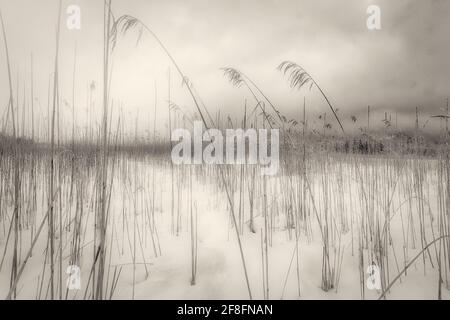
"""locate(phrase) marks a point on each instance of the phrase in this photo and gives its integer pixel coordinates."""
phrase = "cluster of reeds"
(88, 191)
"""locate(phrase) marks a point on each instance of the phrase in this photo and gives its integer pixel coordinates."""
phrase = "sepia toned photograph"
(212, 150)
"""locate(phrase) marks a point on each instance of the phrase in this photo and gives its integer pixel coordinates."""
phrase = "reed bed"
(138, 226)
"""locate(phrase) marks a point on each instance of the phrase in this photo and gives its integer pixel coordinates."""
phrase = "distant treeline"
(86, 148)
(400, 143)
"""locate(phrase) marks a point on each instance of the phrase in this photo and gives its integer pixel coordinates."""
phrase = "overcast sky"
(403, 65)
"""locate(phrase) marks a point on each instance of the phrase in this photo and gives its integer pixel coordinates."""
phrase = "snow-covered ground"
(220, 275)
